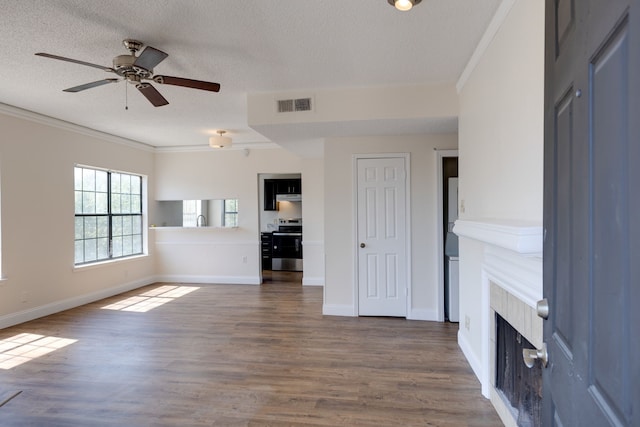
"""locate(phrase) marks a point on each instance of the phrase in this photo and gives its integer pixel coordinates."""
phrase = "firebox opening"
(520, 386)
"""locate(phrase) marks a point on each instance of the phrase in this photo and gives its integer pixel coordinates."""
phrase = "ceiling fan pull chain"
(126, 97)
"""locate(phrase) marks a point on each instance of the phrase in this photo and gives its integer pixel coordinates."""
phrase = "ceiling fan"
(137, 70)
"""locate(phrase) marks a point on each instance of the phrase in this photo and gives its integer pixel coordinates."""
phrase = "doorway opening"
(280, 220)
(448, 241)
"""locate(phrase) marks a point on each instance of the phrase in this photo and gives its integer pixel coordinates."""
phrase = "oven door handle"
(288, 234)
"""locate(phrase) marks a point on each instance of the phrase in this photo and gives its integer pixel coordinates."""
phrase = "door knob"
(542, 308)
(362, 245)
(531, 354)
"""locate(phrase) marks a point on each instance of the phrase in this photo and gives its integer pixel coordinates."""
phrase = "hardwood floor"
(235, 355)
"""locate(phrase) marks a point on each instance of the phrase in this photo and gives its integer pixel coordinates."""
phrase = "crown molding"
(492, 29)
(206, 148)
(31, 116)
(21, 113)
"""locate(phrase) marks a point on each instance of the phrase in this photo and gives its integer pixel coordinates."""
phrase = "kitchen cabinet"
(273, 187)
(267, 253)
(270, 195)
(288, 186)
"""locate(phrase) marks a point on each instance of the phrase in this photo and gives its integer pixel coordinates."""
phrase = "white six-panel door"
(382, 237)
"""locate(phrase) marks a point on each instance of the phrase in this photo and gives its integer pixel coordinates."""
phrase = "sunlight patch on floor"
(151, 299)
(22, 348)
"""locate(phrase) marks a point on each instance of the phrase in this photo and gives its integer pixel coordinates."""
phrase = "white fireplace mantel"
(522, 237)
(513, 254)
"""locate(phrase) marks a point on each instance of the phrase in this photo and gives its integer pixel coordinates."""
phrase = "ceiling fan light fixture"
(404, 5)
(220, 141)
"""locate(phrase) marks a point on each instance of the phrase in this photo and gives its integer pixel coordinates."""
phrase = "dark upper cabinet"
(270, 195)
(273, 187)
(289, 186)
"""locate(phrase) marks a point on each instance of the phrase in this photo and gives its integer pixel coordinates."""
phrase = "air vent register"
(294, 105)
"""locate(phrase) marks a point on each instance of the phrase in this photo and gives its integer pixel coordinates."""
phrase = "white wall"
(37, 158)
(222, 255)
(339, 218)
(313, 203)
(358, 104)
(410, 109)
(500, 145)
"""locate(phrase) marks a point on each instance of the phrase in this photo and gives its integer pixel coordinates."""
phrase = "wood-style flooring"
(236, 355)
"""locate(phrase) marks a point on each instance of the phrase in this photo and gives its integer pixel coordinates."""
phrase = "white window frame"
(113, 215)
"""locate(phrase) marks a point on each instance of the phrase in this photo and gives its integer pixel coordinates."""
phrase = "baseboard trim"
(226, 280)
(67, 304)
(338, 310)
(312, 281)
(473, 360)
(423, 314)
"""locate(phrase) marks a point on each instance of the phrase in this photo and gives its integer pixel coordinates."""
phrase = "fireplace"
(511, 285)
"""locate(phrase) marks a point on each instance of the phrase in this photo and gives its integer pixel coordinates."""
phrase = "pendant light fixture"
(404, 5)
(220, 141)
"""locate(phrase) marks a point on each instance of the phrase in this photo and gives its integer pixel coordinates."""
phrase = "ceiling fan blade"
(75, 61)
(149, 58)
(194, 84)
(152, 94)
(90, 85)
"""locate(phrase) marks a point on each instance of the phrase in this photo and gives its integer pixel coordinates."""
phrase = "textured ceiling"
(247, 46)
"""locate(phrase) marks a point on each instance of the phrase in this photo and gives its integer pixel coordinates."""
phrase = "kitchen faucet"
(204, 221)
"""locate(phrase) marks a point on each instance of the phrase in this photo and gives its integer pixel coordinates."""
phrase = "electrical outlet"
(244, 259)
(467, 323)
(24, 296)
(462, 208)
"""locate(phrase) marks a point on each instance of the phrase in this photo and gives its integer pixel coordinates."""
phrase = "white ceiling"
(248, 46)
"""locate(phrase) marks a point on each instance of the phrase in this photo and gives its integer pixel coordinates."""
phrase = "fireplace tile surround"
(511, 286)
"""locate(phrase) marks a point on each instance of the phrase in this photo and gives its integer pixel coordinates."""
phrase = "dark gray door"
(592, 213)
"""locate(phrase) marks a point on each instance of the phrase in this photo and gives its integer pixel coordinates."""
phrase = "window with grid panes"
(191, 209)
(231, 212)
(108, 215)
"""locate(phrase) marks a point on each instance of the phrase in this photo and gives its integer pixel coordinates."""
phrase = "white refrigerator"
(451, 251)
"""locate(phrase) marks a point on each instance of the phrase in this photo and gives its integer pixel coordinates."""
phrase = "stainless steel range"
(287, 245)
